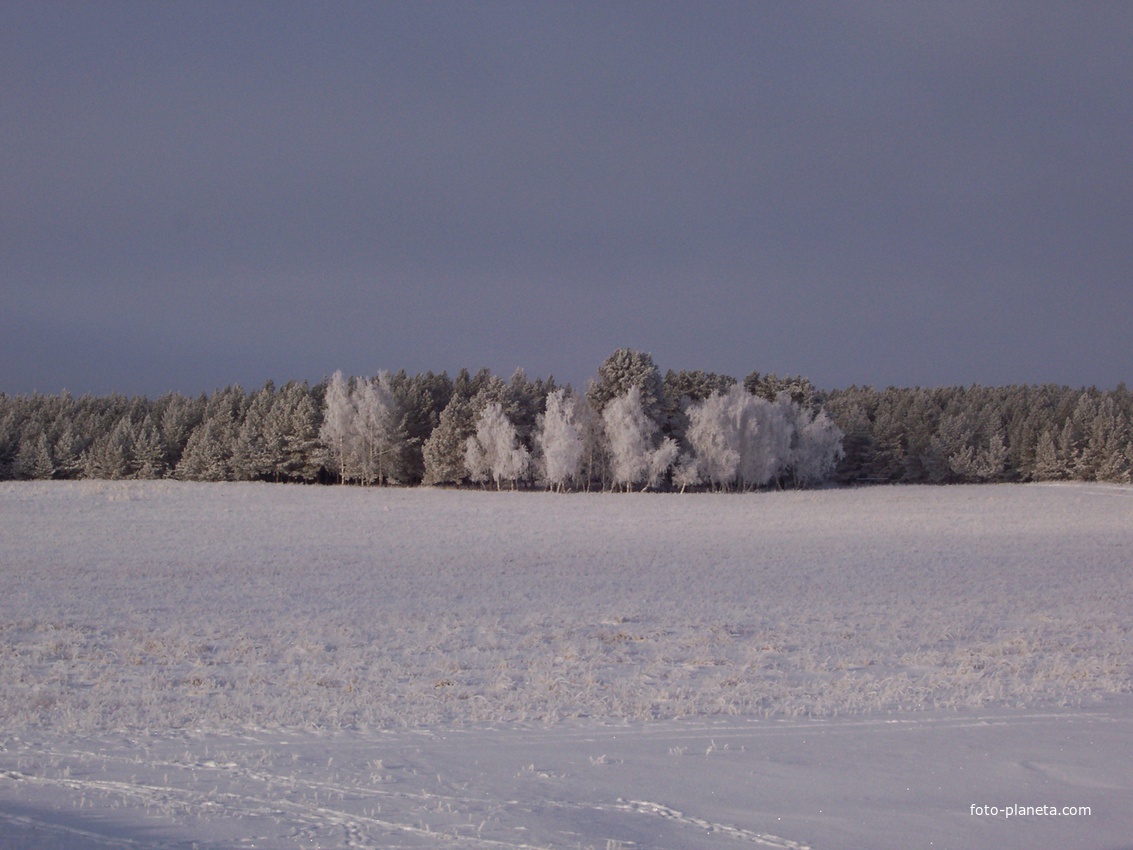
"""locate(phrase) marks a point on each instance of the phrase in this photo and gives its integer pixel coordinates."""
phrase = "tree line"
(977, 434)
(633, 428)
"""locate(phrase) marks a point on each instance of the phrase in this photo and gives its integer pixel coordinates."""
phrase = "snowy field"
(222, 666)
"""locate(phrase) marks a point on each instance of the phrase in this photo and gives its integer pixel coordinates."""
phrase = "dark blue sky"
(195, 194)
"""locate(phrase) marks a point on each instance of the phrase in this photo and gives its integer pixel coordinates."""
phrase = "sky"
(194, 194)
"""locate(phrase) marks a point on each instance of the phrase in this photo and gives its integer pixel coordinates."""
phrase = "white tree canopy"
(494, 451)
(560, 439)
(630, 435)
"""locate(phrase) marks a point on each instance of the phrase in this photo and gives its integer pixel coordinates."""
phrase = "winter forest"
(632, 429)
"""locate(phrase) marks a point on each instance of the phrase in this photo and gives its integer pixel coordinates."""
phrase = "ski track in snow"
(200, 666)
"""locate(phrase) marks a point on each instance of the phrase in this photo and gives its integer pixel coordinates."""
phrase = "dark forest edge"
(633, 428)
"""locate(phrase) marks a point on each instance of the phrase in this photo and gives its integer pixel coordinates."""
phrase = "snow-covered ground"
(250, 665)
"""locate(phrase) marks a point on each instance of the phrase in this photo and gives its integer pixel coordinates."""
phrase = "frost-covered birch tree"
(338, 432)
(766, 453)
(818, 447)
(494, 451)
(739, 439)
(560, 439)
(714, 434)
(630, 433)
(377, 427)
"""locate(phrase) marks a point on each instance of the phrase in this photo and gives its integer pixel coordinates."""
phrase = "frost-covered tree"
(594, 465)
(661, 460)
(179, 416)
(622, 371)
(560, 439)
(714, 434)
(444, 451)
(630, 436)
(256, 454)
(299, 419)
(361, 429)
(67, 452)
(740, 438)
(149, 451)
(765, 450)
(421, 399)
(817, 449)
(494, 451)
(33, 460)
(629, 433)
(686, 473)
(111, 455)
(206, 457)
(1048, 465)
(339, 431)
(378, 428)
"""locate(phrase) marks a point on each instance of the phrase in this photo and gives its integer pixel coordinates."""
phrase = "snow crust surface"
(254, 665)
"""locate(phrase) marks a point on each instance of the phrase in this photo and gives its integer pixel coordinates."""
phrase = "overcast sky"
(195, 194)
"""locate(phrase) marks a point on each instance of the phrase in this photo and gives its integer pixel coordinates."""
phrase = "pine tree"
(444, 451)
(622, 371)
(111, 456)
(149, 452)
(1048, 465)
(33, 460)
(67, 452)
(302, 457)
(206, 456)
(421, 400)
(258, 447)
(179, 418)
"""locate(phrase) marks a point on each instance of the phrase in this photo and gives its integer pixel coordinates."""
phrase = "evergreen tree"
(421, 400)
(179, 418)
(299, 417)
(111, 456)
(34, 461)
(206, 456)
(67, 452)
(149, 452)
(623, 371)
(1048, 465)
(771, 386)
(444, 450)
(257, 452)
